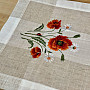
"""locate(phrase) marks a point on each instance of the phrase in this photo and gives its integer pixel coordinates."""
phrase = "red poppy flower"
(54, 24)
(35, 52)
(60, 42)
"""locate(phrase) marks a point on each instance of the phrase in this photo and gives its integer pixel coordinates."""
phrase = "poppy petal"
(54, 24)
(32, 51)
(36, 55)
(54, 45)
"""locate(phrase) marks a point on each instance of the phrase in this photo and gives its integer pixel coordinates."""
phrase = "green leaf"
(24, 38)
(76, 36)
(59, 30)
(30, 42)
(62, 57)
(59, 33)
(40, 40)
(45, 50)
(39, 28)
(49, 51)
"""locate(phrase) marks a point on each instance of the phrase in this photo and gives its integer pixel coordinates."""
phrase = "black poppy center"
(55, 22)
(60, 43)
(74, 47)
(37, 53)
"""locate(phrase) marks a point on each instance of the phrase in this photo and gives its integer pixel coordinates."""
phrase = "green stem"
(63, 30)
(46, 49)
(40, 36)
(39, 45)
(37, 35)
(25, 35)
(31, 36)
(49, 35)
(48, 54)
(33, 41)
(30, 33)
(60, 51)
(41, 31)
(70, 37)
(34, 34)
(45, 37)
(54, 33)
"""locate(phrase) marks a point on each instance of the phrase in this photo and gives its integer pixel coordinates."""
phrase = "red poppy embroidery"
(54, 24)
(56, 43)
(35, 52)
(60, 42)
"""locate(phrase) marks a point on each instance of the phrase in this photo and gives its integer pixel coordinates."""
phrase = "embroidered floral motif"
(59, 42)
(54, 24)
(35, 52)
(67, 26)
(54, 39)
(48, 57)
